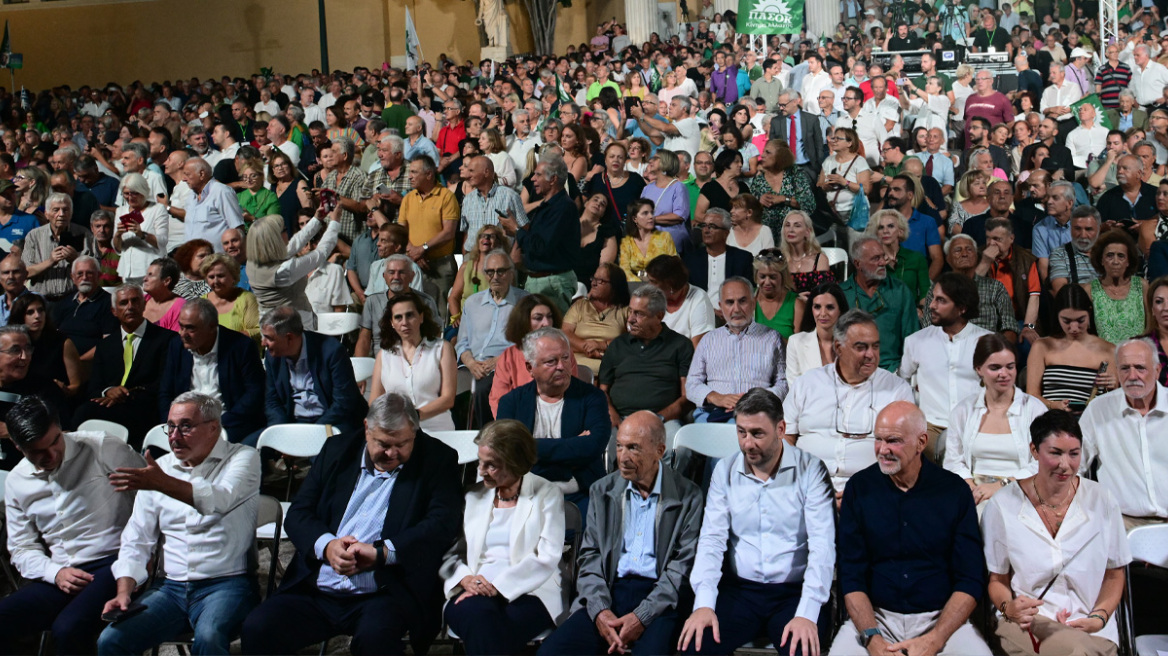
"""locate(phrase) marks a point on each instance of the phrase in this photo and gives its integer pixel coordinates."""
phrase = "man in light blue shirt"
(770, 510)
(416, 142)
(1052, 232)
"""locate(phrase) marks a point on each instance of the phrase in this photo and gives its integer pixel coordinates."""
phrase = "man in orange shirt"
(430, 212)
(1017, 269)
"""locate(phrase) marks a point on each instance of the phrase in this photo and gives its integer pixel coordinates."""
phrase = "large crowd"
(928, 294)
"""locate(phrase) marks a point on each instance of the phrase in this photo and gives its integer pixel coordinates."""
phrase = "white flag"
(413, 46)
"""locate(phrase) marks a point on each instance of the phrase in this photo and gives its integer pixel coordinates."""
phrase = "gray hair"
(346, 146)
(1065, 188)
(722, 214)
(88, 259)
(395, 142)
(1146, 342)
(499, 252)
(531, 341)
(456, 102)
(978, 153)
(429, 166)
(961, 235)
(1086, 212)
(522, 113)
(297, 113)
(790, 94)
(59, 197)
(1055, 66)
(16, 329)
(555, 166)
(739, 280)
(138, 149)
(857, 245)
(284, 319)
(125, 287)
(136, 183)
(653, 296)
(853, 317)
(392, 412)
(210, 409)
(1127, 93)
(69, 153)
(685, 101)
(1142, 48)
(205, 309)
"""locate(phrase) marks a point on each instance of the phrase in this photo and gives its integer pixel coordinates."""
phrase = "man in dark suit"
(128, 396)
(568, 417)
(716, 257)
(219, 362)
(371, 524)
(310, 377)
(809, 147)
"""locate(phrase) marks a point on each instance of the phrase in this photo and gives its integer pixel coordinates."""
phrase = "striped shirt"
(351, 185)
(1109, 81)
(400, 184)
(728, 363)
(479, 210)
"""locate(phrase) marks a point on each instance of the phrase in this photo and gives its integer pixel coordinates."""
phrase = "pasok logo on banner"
(770, 16)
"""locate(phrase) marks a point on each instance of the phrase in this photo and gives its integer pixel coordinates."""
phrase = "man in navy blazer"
(310, 376)
(376, 514)
(129, 398)
(715, 254)
(568, 417)
(219, 362)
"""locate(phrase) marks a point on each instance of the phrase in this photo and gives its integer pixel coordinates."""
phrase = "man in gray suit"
(643, 525)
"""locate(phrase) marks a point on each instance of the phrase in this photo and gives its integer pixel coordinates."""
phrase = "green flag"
(770, 16)
(1100, 112)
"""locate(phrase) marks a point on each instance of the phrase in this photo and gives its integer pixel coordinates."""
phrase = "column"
(822, 17)
(723, 6)
(641, 19)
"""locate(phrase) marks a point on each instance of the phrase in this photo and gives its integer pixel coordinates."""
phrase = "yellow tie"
(127, 357)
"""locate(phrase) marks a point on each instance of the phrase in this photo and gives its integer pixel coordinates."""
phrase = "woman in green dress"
(776, 305)
(256, 200)
(781, 187)
(891, 228)
(1118, 294)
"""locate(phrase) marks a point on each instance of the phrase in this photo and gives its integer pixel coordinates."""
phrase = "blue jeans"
(215, 608)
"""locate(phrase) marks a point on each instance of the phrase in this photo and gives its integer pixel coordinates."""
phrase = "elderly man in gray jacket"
(642, 535)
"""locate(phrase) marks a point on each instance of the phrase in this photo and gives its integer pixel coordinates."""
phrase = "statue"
(495, 22)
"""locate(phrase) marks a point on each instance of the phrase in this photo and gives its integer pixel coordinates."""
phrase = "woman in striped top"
(1073, 365)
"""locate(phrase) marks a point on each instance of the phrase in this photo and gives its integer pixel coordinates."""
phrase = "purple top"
(673, 199)
(724, 84)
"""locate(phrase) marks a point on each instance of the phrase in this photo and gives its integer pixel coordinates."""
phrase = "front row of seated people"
(379, 552)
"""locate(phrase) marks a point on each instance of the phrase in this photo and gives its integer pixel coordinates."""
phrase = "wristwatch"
(379, 559)
(1027, 325)
(867, 635)
(425, 247)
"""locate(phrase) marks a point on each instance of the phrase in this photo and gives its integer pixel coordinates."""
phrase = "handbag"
(858, 220)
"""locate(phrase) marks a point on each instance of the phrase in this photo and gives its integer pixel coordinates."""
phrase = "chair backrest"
(573, 536)
(1149, 544)
(712, 440)
(108, 427)
(581, 291)
(156, 437)
(337, 323)
(837, 256)
(585, 373)
(466, 380)
(3, 479)
(461, 441)
(362, 368)
(296, 440)
(271, 512)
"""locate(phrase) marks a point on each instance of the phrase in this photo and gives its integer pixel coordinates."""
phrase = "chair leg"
(43, 648)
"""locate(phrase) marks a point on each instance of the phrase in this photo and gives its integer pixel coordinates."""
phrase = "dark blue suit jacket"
(573, 455)
(241, 382)
(1158, 260)
(422, 521)
(332, 377)
(738, 263)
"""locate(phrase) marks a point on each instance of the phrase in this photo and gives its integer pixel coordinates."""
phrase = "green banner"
(770, 16)
(1100, 112)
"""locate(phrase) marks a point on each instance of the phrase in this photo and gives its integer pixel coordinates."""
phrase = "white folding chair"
(362, 368)
(108, 427)
(337, 324)
(837, 256)
(156, 437)
(295, 441)
(585, 373)
(1148, 544)
(710, 440)
(581, 291)
(5, 566)
(461, 441)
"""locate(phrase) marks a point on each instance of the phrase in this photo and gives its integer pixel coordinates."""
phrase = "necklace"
(1054, 508)
(509, 499)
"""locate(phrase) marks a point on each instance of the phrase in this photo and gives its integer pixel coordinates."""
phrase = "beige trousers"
(1055, 639)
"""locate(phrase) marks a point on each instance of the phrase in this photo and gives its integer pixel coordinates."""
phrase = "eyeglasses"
(184, 429)
(496, 273)
(711, 226)
(20, 176)
(17, 351)
(857, 423)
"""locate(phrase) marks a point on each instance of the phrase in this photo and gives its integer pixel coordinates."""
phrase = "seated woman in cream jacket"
(502, 578)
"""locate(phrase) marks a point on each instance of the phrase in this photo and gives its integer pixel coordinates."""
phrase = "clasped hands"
(348, 555)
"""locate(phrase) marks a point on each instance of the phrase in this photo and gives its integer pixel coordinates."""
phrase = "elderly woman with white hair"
(278, 275)
(142, 231)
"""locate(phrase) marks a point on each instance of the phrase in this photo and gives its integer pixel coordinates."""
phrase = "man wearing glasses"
(716, 262)
(452, 132)
(799, 130)
(200, 500)
(831, 411)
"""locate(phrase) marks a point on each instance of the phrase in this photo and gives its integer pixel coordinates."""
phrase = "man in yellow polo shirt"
(430, 213)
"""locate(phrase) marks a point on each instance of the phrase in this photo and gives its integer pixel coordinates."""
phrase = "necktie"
(794, 143)
(929, 167)
(127, 357)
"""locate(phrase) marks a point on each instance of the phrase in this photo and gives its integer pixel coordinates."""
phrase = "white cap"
(1079, 52)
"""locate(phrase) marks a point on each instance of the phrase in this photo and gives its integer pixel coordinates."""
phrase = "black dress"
(619, 198)
(589, 257)
(290, 208)
(717, 195)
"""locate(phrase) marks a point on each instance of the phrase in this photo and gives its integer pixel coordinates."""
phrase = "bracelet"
(1107, 615)
(1098, 617)
(1002, 610)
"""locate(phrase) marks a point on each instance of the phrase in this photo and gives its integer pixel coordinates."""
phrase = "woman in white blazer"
(502, 578)
(988, 440)
(812, 347)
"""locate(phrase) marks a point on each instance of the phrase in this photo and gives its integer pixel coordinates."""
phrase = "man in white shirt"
(1149, 77)
(770, 507)
(815, 81)
(683, 133)
(943, 381)
(879, 119)
(64, 523)
(522, 142)
(1123, 434)
(831, 411)
(1009, 19)
(135, 158)
(213, 207)
(200, 500)
(1060, 95)
(278, 129)
(312, 111)
(1087, 140)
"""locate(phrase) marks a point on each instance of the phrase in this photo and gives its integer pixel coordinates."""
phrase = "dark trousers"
(492, 625)
(747, 610)
(578, 636)
(288, 621)
(481, 414)
(74, 619)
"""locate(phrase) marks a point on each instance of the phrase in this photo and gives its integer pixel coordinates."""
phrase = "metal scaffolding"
(1108, 24)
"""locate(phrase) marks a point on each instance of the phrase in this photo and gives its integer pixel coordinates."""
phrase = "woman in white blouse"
(1055, 526)
(415, 361)
(142, 229)
(276, 272)
(502, 578)
(930, 105)
(988, 442)
(811, 347)
(495, 149)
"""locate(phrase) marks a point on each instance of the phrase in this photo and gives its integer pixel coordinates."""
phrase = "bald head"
(901, 436)
(640, 445)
